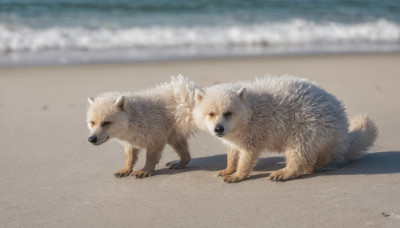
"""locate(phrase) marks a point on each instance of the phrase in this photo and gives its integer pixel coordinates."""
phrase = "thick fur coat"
(282, 114)
(148, 120)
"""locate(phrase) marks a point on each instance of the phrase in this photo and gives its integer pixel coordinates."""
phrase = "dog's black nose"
(92, 139)
(219, 129)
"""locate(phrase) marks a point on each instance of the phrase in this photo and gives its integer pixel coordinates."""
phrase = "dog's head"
(221, 110)
(106, 117)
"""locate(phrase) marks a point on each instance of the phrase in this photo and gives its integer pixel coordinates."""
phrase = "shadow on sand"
(372, 163)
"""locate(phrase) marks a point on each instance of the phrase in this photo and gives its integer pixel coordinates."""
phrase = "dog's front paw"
(225, 172)
(123, 173)
(232, 178)
(141, 174)
(175, 165)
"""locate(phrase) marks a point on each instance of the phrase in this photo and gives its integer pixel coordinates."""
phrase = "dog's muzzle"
(219, 130)
(92, 139)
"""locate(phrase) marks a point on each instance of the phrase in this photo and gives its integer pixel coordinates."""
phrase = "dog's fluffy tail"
(183, 92)
(362, 135)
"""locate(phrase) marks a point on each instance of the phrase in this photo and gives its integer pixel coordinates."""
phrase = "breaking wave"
(293, 32)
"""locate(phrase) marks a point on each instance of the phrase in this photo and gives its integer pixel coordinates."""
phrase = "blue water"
(68, 31)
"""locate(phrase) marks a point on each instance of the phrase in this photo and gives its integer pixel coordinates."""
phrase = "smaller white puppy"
(148, 119)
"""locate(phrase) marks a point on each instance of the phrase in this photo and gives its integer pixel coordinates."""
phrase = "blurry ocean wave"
(15, 39)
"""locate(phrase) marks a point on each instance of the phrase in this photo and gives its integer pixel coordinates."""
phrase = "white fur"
(148, 119)
(282, 114)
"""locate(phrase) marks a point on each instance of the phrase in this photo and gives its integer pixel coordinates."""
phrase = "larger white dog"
(282, 114)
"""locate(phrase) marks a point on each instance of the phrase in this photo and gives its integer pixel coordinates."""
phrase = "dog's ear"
(199, 95)
(121, 103)
(90, 100)
(242, 93)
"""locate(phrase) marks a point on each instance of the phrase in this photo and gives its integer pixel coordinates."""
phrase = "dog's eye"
(227, 114)
(92, 123)
(105, 123)
(211, 114)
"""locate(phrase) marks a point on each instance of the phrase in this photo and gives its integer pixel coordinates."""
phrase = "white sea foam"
(294, 32)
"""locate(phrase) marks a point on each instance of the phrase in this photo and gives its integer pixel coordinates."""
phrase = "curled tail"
(362, 135)
(183, 92)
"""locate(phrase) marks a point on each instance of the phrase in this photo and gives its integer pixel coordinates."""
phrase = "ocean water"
(81, 31)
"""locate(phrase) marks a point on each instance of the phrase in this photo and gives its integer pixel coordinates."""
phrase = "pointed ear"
(120, 102)
(242, 93)
(90, 100)
(199, 95)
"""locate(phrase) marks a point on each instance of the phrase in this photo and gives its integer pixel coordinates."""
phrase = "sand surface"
(50, 176)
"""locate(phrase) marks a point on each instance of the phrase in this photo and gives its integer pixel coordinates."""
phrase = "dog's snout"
(219, 129)
(92, 139)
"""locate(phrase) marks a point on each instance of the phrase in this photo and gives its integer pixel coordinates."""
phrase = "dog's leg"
(131, 155)
(231, 159)
(246, 162)
(324, 155)
(153, 156)
(180, 145)
(297, 163)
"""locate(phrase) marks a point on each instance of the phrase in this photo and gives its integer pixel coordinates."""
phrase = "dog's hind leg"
(180, 145)
(297, 163)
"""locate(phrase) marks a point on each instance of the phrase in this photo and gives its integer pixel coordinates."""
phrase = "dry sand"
(50, 176)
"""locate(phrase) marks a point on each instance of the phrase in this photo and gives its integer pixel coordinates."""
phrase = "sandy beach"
(51, 176)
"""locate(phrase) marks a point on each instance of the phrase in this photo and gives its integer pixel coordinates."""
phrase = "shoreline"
(60, 60)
